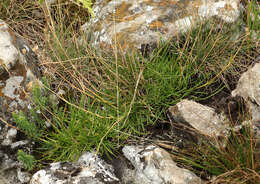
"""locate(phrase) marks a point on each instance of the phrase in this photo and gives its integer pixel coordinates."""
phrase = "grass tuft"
(233, 163)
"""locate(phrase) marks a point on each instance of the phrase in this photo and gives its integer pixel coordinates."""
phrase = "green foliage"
(25, 125)
(27, 160)
(253, 19)
(75, 131)
(112, 98)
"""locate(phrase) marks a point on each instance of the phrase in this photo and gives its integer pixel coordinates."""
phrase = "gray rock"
(11, 134)
(24, 177)
(88, 170)
(19, 144)
(18, 71)
(202, 118)
(9, 54)
(131, 25)
(248, 87)
(154, 165)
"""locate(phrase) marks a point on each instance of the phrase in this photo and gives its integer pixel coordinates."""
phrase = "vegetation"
(110, 100)
(236, 162)
(27, 160)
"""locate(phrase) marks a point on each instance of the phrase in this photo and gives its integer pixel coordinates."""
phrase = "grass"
(233, 163)
(110, 99)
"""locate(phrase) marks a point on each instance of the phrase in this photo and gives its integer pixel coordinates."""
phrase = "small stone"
(11, 133)
(202, 118)
(24, 177)
(19, 144)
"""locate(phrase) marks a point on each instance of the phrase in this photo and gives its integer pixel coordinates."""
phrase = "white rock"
(19, 144)
(24, 177)
(12, 84)
(41, 177)
(11, 133)
(228, 10)
(8, 52)
(154, 165)
(89, 169)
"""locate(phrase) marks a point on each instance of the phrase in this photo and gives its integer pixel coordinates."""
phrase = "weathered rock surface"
(18, 71)
(154, 165)
(202, 118)
(248, 87)
(88, 170)
(137, 24)
(8, 52)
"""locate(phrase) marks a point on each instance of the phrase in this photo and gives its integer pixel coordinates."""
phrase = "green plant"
(74, 131)
(27, 160)
(25, 125)
(253, 19)
(110, 98)
(113, 97)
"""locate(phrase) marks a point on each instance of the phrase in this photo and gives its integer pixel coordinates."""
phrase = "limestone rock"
(248, 87)
(202, 118)
(8, 52)
(18, 69)
(154, 165)
(131, 25)
(88, 169)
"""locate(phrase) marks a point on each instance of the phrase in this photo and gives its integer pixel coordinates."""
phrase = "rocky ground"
(139, 26)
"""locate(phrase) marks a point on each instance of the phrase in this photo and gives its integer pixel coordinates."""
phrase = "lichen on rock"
(128, 25)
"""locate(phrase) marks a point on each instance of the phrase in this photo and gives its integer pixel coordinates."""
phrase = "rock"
(134, 24)
(202, 118)
(24, 177)
(154, 165)
(8, 52)
(88, 170)
(18, 69)
(11, 134)
(254, 110)
(248, 87)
